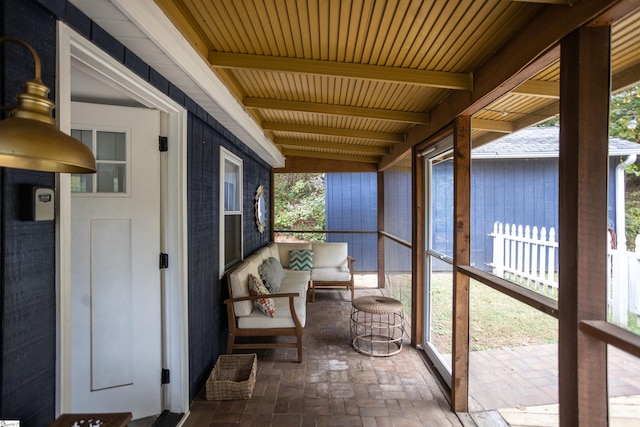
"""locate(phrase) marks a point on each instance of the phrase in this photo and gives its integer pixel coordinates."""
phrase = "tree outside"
(623, 123)
(299, 204)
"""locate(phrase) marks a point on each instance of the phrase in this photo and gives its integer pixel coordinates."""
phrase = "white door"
(115, 278)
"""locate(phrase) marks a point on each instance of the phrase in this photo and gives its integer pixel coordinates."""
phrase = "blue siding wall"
(511, 191)
(27, 281)
(351, 204)
(517, 191)
(27, 287)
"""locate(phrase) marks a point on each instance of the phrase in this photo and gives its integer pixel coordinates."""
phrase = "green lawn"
(497, 320)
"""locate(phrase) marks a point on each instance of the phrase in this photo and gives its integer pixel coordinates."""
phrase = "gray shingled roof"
(537, 142)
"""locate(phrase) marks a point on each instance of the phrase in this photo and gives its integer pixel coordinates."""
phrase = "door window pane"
(111, 178)
(110, 150)
(111, 146)
(82, 183)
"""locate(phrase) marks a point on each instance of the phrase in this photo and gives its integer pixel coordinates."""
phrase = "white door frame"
(175, 296)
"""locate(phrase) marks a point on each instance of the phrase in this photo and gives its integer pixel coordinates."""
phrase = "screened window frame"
(227, 156)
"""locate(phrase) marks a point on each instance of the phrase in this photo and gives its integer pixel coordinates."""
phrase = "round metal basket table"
(377, 325)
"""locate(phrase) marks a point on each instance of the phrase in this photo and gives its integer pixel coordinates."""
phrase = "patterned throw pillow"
(266, 305)
(301, 259)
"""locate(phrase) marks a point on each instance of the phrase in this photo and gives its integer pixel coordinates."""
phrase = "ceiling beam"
(492, 125)
(625, 78)
(438, 79)
(539, 88)
(322, 130)
(364, 149)
(337, 110)
(565, 2)
(619, 81)
(528, 52)
(330, 156)
(295, 164)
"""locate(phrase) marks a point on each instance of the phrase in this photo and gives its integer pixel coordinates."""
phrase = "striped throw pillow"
(301, 259)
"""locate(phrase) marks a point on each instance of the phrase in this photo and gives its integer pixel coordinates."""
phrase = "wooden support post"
(584, 118)
(417, 267)
(381, 196)
(461, 256)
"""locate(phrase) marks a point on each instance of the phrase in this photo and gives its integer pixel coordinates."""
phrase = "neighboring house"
(514, 180)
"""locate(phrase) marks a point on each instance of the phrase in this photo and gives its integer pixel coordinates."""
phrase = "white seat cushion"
(330, 255)
(331, 274)
(282, 318)
(295, 281)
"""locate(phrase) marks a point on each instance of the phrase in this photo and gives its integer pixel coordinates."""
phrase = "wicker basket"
(233, 377)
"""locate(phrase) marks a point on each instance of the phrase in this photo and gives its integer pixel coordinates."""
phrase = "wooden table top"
(113, 419)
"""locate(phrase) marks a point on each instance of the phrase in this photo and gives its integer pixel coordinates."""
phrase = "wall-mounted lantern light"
(29, 137)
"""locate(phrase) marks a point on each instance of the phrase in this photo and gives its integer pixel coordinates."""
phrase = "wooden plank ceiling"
(347, 79)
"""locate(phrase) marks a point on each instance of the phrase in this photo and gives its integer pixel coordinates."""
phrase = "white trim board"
(175, 297)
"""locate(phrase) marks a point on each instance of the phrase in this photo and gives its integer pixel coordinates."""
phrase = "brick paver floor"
(334, 385)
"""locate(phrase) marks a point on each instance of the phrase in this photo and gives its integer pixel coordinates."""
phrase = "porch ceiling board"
(375, 67)
(320, 130)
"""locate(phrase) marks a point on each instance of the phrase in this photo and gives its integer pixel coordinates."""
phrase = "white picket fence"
(623, 282)
(527, 256)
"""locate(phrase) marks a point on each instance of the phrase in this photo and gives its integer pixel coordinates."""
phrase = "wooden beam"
(461, 256)
(322, 130)
(565, 2)
(520, 293)
(583, 169)
(530, 51)
(530, 119)
(364, 149)
(501, 126)
(625, 78)
(539, 88)
(618, 337)
(331, 156)
(294, 164)
(337, 110)
(438, 79)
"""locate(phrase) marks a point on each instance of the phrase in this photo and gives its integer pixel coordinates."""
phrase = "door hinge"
(164, 261)
(166, 376)
(163, 144)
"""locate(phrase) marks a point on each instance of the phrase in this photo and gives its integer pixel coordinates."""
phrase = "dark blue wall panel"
(27, 287)
(27, 282)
